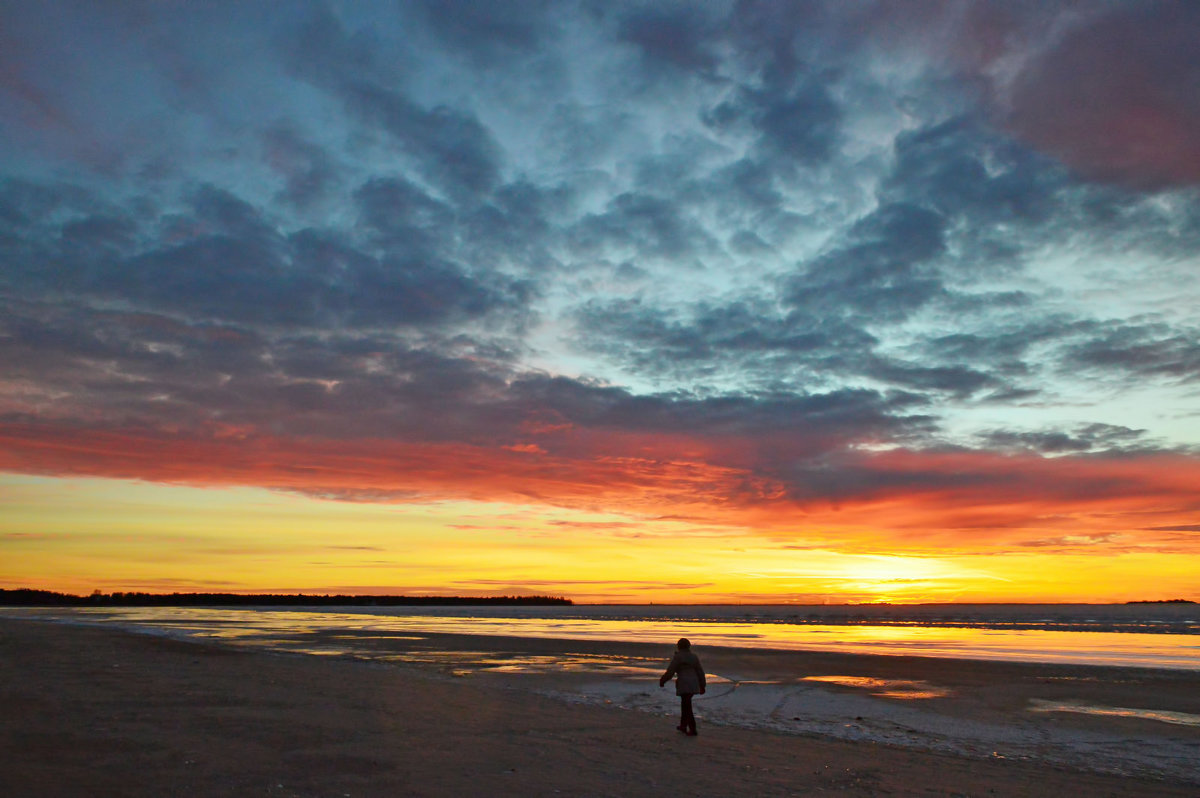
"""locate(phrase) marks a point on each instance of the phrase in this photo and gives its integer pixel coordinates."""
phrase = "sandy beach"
(103, 712)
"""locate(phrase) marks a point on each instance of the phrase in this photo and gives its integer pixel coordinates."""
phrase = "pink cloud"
(1117, 99)
(917, 499)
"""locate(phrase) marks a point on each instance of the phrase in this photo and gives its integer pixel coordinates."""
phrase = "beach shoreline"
(107, 712)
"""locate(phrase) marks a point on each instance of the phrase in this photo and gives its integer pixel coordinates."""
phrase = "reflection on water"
(490, 661)
(1163, 715)
(378, 637)
(886, 688)
(358, 629)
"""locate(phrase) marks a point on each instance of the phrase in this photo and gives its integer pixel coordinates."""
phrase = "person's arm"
(700, 673)
(672, 667)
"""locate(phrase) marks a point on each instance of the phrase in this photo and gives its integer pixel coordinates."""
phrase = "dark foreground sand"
(97, 712)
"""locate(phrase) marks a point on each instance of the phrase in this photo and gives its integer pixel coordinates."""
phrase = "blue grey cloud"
(819, 226)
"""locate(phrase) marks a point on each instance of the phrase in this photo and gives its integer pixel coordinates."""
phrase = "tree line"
(26, 597)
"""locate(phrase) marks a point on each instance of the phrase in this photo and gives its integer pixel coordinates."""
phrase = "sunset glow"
(637, 302)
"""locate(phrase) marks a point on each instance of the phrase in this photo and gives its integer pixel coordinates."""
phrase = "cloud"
(1115, 97)
(962, 168)
(482, 31)
(1003, 349)
(798, 124)
(640, 226)
(1085, 438)
(720, 332)
(1145, 350)
(880, 270)
(224, 260)
(310, 174)
(675, 36)
(969, 501)
(554, 583)
(755, 261)
(447, 146)
(1072, 541)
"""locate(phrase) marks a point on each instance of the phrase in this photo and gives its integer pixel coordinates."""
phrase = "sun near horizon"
(80, 535)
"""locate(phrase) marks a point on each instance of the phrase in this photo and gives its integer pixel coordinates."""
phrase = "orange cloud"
(963, 501)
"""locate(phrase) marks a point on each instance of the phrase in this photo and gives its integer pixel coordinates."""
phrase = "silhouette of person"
(685, 667)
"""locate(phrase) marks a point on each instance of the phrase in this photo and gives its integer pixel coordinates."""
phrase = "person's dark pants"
(687, 720)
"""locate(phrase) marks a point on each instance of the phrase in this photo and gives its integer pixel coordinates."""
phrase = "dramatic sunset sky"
(722, 301)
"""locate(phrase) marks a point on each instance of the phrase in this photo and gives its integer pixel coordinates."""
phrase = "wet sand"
(101, 712)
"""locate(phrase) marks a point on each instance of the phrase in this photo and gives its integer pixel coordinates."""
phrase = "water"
(1152, 636)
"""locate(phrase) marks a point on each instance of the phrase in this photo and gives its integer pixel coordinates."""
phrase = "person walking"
(688, 673)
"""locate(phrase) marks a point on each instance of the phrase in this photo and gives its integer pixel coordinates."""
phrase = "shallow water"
(903, 689)
(351, 630)
(1160, 715)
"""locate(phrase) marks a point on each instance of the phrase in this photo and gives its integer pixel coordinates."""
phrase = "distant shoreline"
(29, 597)
(1162, 601)
(26, 597)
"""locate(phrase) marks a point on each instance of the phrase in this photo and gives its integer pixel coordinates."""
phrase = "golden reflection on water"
(904, 689)
(1162, 715)
(265, 626)
(491, 662)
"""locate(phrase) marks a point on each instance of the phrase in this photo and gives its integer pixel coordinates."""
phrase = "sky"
(752, 301)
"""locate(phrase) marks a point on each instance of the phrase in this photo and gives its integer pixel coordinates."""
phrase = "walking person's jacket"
(688, 672)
